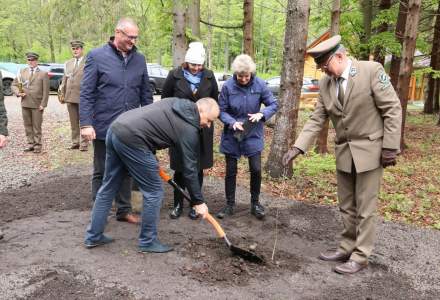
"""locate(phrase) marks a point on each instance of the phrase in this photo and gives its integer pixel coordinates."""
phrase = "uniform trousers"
(357, 194)
(32, 119)
(73, 109)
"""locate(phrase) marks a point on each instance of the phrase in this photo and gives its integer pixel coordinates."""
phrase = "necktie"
(32, 74)
(76, 64)
(340, 90)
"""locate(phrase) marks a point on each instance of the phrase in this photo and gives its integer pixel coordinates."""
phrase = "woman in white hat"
(191, 81)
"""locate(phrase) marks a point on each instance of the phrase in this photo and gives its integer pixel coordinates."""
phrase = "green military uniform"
(366, 119)
(35, 84)
(69, 92)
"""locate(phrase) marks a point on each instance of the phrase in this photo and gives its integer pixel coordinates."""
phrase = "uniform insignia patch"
(353, 71)
(384, 79)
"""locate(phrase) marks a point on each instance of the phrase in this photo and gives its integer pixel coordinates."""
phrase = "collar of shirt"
(344, 75)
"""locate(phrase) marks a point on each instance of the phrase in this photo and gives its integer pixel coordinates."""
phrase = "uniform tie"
(32, 74)
(76, 64)
(341, 90)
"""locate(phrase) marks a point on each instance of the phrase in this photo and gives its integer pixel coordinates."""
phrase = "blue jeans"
(144, 169)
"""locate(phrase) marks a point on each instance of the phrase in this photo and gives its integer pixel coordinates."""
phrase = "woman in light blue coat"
(243, 117)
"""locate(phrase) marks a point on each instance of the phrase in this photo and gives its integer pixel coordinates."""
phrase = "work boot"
(228, 210)
(176, 211)
(257, 210)
(192, 214)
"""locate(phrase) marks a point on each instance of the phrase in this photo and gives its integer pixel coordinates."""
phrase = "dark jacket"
(111, 86)
(3, 117)
(236, 102)
(171, 122)
(177, 86)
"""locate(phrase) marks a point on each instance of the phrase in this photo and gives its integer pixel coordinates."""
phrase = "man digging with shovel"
(131, 142)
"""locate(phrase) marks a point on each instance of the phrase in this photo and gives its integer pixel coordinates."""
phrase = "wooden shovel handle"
(215, 224)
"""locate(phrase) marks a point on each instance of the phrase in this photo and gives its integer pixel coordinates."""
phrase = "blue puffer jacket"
(236, 102)
(111, 86)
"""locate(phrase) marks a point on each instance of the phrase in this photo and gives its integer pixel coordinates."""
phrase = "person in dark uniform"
(191, 81)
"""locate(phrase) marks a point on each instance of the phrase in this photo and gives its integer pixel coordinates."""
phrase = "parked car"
(221, 79)
(9, 72)
(55, 72)
(157, 75)
(309, 85)
(7, 78)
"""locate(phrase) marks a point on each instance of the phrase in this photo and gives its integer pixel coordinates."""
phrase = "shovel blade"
(247, 255)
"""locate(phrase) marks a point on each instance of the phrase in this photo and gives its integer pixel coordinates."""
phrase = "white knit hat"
(195, 53)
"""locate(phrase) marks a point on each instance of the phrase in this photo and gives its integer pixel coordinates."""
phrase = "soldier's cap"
(32, 55)
(325, 49)
(77, 43)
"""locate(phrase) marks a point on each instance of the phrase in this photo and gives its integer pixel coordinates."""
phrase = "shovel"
(245, 254)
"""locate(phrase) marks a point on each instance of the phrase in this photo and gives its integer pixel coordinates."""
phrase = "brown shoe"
(74, 146)
(129, 218)
(29, 149)
(350, 267)
(334, 256)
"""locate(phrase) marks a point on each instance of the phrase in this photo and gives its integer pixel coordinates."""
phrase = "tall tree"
(179, 37)
(321, 141)
(295, 43)
(194, 18)
(435, 65)
(248, 29)
(406, 64)
(383, 27)
(399, 32)
(367, 18)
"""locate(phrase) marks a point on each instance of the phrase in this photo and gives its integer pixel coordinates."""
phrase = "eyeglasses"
(31, 59)
(130, 37)
(325, 66)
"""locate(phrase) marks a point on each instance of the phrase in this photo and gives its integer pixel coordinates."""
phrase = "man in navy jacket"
(115, 80)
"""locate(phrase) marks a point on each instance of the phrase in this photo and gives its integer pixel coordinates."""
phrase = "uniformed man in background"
(69, 91)
(32, 86)
(366, 113)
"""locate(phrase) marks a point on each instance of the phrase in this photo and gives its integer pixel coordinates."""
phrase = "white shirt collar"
(346, 72)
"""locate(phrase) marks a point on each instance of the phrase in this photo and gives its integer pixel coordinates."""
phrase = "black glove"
(388, 157)
(291, 155)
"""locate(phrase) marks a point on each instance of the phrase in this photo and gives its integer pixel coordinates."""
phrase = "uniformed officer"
(32, 86)
(366, 113)
(69, 91)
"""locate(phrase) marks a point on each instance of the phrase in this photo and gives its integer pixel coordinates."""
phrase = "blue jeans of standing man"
(144, 169)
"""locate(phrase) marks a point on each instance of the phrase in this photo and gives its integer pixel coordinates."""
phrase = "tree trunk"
(335, 18)
(400, 29)
(179, 38)
(194, 18)
(367, 14)
(378, 53)
(248, 29)
(321, 141)
(435, 65)
(209, 36)
(437, 96)
(406, 64)
(295, 43)
(50, 35)
(226, 66)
